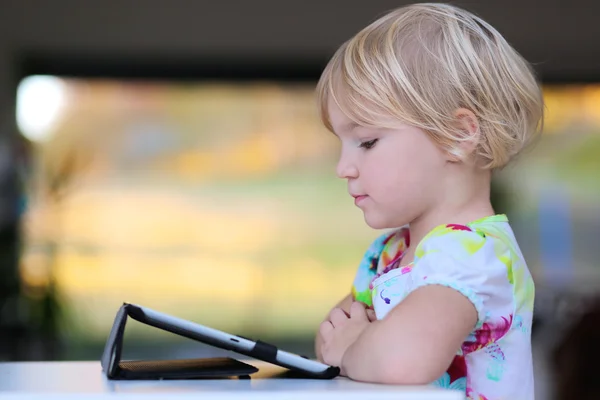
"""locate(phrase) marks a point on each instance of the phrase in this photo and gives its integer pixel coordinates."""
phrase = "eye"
(369, 144)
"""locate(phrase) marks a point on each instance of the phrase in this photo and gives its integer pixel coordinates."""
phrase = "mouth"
(358, 199)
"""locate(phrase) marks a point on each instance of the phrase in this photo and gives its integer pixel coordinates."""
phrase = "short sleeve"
(469, 262)
(383, 250)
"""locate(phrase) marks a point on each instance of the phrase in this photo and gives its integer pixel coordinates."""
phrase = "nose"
(346, 167)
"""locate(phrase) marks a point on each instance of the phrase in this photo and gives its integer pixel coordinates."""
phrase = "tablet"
(256, 349)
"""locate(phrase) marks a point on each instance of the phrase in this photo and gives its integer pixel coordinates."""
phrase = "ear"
(467, 123)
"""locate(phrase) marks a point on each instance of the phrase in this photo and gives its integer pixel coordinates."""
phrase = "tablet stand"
(197, 368)
(115, 368)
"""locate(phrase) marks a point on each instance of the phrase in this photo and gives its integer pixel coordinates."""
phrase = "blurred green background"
(217, 202)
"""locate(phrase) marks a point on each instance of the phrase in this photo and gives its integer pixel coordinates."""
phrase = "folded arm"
(416, 342)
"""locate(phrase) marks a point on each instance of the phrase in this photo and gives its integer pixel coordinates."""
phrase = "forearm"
(366, 359)
(384, 353)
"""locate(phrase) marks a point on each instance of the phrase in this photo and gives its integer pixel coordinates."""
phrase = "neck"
(464, 204)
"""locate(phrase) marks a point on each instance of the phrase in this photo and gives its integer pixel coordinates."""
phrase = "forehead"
(339, 121)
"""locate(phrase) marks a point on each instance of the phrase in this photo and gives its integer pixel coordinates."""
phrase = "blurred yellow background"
(218, 202)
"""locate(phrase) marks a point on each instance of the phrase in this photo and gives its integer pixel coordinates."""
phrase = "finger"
(371, 315)
(325, 328)
(337, 317)
(357, 311)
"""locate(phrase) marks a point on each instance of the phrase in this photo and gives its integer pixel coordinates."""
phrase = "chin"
(378, 223)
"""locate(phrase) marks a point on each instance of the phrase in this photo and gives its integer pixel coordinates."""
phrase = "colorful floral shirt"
(481, 260)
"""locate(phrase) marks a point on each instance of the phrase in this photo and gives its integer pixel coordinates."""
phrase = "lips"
(359, 198)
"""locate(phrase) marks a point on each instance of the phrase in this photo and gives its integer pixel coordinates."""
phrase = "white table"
(69, 380)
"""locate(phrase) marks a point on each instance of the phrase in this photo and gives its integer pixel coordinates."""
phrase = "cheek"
(403, 176)
(405, 179)
(391, 177)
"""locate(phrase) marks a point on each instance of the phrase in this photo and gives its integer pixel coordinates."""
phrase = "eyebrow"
(348, 126)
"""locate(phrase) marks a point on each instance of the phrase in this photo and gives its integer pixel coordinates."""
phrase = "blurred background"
(169, 154)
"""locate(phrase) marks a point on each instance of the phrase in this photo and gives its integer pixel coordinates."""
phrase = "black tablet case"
(220, 367)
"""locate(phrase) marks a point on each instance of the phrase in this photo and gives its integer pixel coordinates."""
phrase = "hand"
(341, 330)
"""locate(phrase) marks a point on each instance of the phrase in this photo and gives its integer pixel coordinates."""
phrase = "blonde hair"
(419, 64)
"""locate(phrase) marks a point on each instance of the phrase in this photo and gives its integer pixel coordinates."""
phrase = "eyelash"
(368, 144)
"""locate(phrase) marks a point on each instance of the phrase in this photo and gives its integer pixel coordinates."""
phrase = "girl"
(427, 102)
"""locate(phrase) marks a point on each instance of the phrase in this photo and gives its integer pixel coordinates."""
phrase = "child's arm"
(344, 305)
(416, 342)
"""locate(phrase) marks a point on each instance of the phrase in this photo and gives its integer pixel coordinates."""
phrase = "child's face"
(395, 175)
